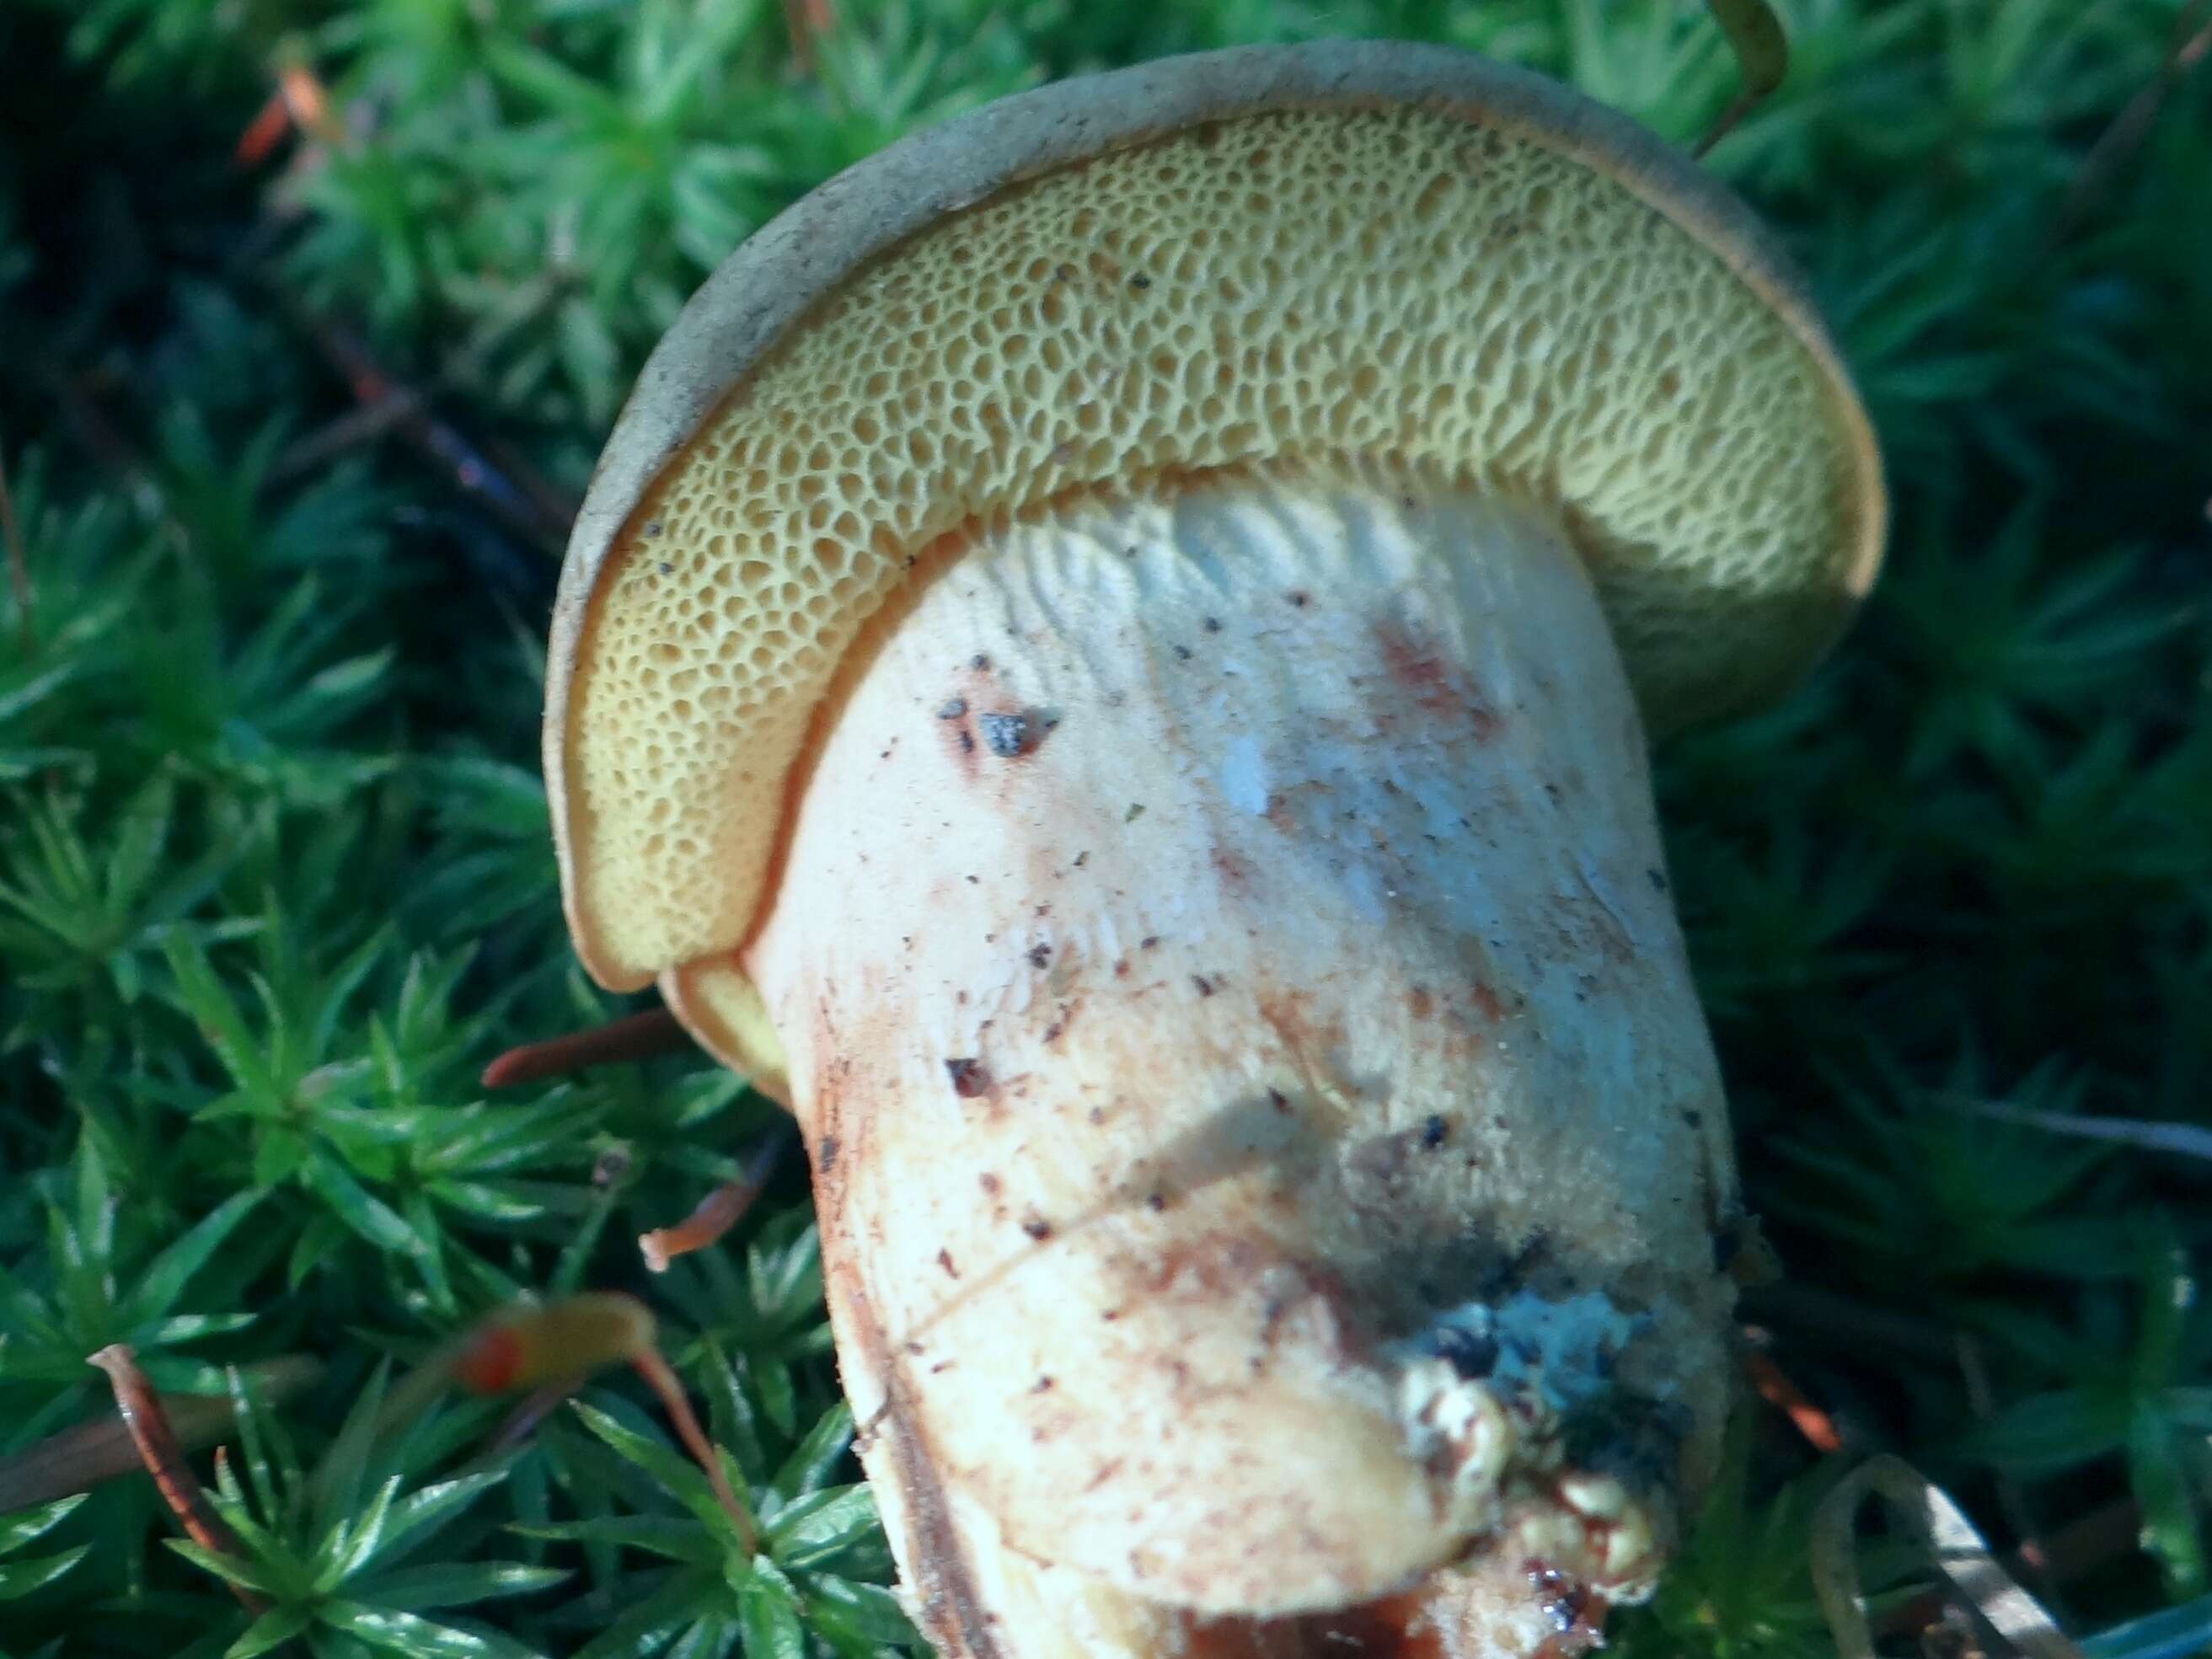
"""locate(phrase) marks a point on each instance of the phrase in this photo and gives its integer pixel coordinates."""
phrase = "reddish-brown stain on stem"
(971, 1077)
(1235, 876)
(1421, 670)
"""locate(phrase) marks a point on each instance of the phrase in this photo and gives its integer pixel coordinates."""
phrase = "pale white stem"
(1253, 1074)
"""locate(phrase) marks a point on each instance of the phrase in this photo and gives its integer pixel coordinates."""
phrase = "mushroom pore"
(1108, 663)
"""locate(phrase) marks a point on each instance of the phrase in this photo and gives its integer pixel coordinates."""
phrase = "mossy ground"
(292, 438)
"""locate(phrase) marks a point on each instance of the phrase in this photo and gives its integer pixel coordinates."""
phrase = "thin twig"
(803, 22)
(638, 1036)
(535, 508)
(397, 405)
(19, 565)
(719, 1211)
(1775, 1387)
(656, 1370)
(555, 508)
(510, 485)
(363, 425)
(1761, 49)
(140, 1409)
(2182, 1140)
(264, 133)
(78, 1458)
(2131, 128)
(300, 101)
(529, 1412)
(1726, 123)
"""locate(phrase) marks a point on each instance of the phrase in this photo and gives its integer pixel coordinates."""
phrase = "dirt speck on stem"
(1008, 736)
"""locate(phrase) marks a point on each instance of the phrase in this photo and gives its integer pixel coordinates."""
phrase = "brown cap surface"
(1265, 258)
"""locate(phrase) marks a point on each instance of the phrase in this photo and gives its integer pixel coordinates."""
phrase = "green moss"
(274, 877)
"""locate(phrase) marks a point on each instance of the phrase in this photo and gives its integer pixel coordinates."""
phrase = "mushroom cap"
(1251, 259)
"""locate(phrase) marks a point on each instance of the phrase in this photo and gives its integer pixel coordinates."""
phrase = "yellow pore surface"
(1290, 289)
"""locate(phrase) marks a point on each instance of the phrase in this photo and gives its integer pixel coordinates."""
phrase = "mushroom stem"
(1268, 1147)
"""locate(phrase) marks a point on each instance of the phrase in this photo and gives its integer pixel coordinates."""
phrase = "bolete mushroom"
(1107, 663)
